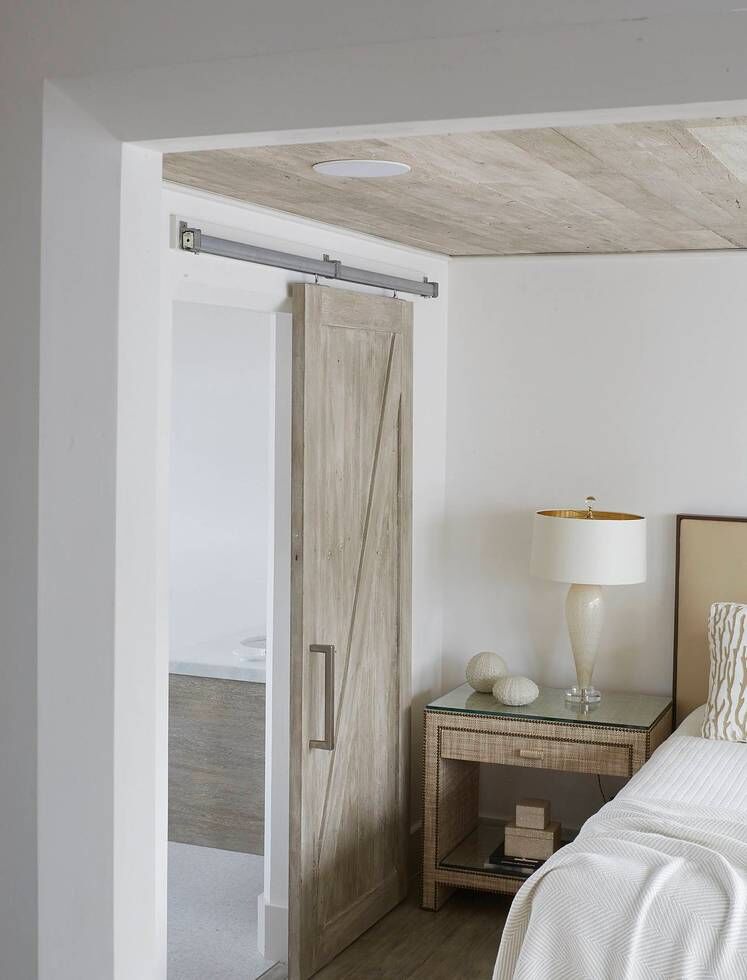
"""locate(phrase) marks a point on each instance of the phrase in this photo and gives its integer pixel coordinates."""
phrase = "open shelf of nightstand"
(472, 853)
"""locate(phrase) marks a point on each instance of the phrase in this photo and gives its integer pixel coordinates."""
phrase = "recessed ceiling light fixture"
(361, 168)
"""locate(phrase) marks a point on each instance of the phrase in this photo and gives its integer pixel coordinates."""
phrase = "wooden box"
(527, 842)
(533, 813)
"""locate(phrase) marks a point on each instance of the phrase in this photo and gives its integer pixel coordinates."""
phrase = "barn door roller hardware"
(193, 240)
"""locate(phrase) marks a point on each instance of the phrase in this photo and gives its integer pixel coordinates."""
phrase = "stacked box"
(533, 814)
(532, 835)
(527, 842)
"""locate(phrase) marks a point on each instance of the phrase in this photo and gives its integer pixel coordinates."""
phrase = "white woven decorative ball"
(515, 690)
(484, 669)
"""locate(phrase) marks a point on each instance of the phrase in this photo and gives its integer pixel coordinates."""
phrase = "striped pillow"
(726, 710)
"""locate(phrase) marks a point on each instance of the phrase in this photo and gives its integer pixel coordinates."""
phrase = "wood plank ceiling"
(638, 187)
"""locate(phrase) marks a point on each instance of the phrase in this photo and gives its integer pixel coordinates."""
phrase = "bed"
(655, 885)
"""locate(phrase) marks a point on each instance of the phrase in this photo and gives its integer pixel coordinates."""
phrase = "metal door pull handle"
(328, 742)
(531, 754)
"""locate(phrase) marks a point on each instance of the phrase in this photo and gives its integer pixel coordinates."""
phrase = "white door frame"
(272, 911)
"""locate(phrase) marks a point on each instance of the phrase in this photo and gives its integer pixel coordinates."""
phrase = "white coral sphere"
(484, 669)
(515, 690)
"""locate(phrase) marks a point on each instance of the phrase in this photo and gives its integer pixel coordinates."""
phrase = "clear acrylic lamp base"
(583, 695)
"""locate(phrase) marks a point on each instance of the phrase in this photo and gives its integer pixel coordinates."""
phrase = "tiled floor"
(213, 914)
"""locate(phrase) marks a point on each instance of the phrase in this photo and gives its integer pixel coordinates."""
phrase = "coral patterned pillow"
(726, 710)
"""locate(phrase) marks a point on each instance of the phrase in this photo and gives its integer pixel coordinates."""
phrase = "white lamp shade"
(608, 549)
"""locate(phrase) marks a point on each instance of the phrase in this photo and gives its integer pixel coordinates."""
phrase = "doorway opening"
(365, 365)
(222, 601)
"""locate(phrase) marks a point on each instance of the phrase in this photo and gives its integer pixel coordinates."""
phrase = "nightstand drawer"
(537, 753)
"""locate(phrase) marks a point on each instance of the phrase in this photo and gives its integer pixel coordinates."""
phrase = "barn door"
(350, 620)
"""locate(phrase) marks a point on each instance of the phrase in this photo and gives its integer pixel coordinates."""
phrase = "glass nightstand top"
(621, 710)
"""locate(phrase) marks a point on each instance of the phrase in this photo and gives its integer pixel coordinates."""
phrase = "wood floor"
(458, 943)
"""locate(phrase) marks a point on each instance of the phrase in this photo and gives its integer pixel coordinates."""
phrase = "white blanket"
(655, 885)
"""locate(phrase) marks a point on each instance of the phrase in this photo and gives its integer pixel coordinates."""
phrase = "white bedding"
(655, 885)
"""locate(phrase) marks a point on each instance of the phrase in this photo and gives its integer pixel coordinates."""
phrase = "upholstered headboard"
(711, 567)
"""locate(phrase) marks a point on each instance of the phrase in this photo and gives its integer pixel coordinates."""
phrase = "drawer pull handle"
(531, 754)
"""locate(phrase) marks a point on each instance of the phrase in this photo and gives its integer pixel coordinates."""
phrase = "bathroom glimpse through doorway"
(229, 563)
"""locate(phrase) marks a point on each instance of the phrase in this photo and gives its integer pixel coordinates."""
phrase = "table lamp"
(589, 549)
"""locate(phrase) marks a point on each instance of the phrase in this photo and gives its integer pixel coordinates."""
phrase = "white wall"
(76, 583)
(99, 676)
(219, 480)
(617, 376)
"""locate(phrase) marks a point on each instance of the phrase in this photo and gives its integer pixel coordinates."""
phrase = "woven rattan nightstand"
(464, 728)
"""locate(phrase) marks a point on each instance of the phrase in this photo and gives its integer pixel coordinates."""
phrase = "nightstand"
(464, 728)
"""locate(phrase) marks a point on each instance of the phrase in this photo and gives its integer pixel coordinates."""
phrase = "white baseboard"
(272, 930)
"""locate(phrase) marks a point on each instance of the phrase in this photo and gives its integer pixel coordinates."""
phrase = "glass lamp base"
(583, 695)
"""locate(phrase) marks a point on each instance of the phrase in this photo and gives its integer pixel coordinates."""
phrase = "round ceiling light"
(361, 168)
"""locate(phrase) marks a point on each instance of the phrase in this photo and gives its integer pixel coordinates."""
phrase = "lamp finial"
(590, 501)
